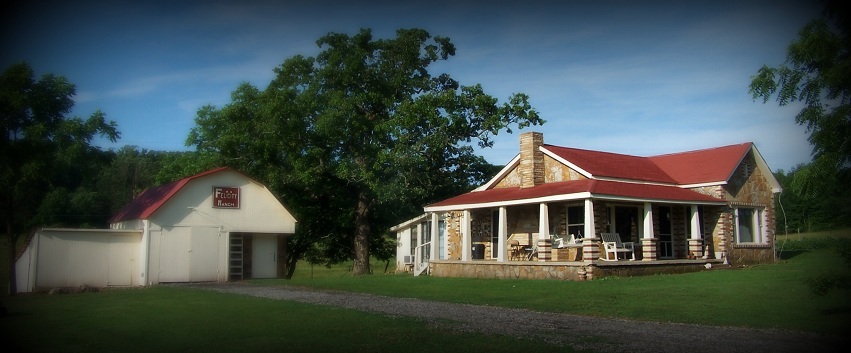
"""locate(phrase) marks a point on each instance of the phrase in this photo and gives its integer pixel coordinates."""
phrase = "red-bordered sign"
(225, 197)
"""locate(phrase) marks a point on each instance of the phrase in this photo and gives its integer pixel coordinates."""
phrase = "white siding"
(259, 212)
(77, 257)
(174, 245)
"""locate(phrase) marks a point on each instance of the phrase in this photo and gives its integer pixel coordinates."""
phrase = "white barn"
(219, 225)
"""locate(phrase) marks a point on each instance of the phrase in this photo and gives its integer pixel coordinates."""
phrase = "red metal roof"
(150, 200)
(613, 165)
(703, 166)
(713, 165)
(597, 188)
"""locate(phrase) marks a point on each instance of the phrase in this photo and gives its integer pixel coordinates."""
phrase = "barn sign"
(225, 197)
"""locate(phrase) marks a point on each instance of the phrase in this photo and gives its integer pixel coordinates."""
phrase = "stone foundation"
(574, 271)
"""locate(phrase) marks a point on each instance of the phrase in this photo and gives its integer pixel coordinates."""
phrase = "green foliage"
(359, 137)
(46, 158)
(816, 73)
(823, 208)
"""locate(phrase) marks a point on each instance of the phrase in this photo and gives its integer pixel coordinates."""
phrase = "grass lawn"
(163, 319)
(764, 296)
(181, 319)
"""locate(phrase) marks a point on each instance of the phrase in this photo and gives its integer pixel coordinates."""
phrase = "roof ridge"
(700, 150)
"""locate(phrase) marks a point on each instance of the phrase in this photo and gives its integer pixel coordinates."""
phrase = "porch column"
(502, 249)
(466, 243)
(590, 243)
(695, 243)
(545, 243)
(433, 245)
(649, 241)
(418, 253)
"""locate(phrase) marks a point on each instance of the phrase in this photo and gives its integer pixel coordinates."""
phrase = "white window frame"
(567, 223)
(757, 225)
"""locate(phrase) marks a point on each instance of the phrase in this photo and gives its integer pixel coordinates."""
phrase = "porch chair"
(516, 250)
(612, 245)
(563, 242)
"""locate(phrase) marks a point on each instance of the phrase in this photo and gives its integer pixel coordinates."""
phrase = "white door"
(264, 256)
(175, 254)
(189, 254)
(205, 254)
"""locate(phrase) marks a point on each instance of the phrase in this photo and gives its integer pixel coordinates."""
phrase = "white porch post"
(545, 244)
(466, 243)
(695, 243)
(543, 222)
(589, 220)
(590, 246)
(695, 223)
(648, 221)
(502, 249)
(433, 228)
(418, 255)
(649, 241)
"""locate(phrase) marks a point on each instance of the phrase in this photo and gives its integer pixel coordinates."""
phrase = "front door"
(264, 256)
(666, 238)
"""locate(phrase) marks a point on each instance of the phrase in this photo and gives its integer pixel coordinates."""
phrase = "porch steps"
(419, 268)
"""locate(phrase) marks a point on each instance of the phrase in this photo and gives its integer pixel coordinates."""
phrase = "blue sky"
(634, 77)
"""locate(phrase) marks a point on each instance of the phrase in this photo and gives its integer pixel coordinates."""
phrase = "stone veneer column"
(648, 249)
(531, 167)
(590, 248)
(695, 247)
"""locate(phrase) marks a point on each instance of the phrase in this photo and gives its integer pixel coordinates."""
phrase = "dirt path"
(579, 332)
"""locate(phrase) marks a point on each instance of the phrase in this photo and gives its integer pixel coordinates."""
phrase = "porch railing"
(422, 254)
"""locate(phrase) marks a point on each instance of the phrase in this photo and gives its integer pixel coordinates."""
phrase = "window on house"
(426, 238)
(748, 225)
(576, 221)
(413, 248)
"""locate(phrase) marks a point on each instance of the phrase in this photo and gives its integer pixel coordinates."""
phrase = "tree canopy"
(360, 136)
(46, 158)
(817, 73)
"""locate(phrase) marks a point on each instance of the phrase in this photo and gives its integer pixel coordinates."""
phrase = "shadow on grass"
(836, 311)
(788, 254)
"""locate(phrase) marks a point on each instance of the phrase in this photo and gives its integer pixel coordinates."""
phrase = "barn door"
(205, 254)
(264, 256)
(189, 254)
(175, 250)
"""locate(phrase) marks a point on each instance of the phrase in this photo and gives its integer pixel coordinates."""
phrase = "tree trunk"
(360, 266)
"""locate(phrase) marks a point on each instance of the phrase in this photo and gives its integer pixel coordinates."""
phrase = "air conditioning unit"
(408, 259)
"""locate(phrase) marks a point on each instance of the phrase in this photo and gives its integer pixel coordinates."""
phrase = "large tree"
(817, 73)
(361, 135)
(43, 153)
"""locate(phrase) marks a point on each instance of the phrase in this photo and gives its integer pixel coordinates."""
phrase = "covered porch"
(561, 237)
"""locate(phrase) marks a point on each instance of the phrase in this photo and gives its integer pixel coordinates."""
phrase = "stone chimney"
(531, 166)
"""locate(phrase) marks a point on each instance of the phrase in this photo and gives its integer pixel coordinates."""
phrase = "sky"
(635, 77)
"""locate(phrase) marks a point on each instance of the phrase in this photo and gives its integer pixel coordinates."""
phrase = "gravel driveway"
(579, 332)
